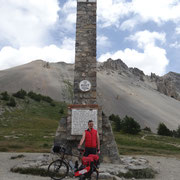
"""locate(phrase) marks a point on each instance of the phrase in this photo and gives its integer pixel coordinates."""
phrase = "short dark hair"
(90, 121)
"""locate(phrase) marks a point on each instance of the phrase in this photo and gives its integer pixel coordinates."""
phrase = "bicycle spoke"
(58, 170)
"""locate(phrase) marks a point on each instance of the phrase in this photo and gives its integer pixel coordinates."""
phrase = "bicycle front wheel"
(58, 170)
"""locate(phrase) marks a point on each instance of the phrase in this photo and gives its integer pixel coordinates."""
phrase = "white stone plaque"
(80, 118)
(85, 85)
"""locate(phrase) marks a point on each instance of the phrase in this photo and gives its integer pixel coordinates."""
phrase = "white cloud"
(69, 6)
(111, 11)
(146, 37)
(175, 45)
(10, 57)
(178, 30)
(26, 23)
(103, 41)
(130, 23)
(157, 11)
(152, 59)
(69, 13)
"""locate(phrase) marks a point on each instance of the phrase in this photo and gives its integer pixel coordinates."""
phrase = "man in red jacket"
(91, 138)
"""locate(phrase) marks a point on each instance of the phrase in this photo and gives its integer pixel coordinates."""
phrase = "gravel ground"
(168, 168)
(6, 164)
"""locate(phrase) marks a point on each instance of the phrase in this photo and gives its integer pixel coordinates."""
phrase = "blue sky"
(143, 33)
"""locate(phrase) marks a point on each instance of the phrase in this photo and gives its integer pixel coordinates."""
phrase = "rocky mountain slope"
(121, 90)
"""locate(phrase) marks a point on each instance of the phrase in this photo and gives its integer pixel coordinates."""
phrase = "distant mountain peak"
(115, 64)
(37, 60)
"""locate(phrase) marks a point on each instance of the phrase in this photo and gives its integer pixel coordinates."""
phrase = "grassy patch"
(2, 149)
(151, 145)
(36, 171)
(31, 171)
(30, 127)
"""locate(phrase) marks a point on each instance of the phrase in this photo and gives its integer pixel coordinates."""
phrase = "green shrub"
(130, 126)
(20, 94)
(39, 97)
(147, 129)
(61, 111)
(45, 145)
(36, 97)
(5, 96)
(53, 104)
(174, 133)
(112, 117)
(46, 98)
(178, 132)
(163, 130)
(117, 123)
(12, 102)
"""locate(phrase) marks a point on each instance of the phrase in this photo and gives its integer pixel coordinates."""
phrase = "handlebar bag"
(94, 156)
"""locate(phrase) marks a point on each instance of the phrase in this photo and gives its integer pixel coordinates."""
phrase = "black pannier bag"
(56, 149)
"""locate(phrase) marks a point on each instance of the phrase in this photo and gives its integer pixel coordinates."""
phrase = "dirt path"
(143, 138)
(168, 168)
(176, 145)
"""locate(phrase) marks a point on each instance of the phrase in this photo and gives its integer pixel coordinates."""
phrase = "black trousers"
(89, 151)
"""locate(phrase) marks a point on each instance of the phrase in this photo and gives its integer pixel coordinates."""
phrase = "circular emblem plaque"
(85, 85)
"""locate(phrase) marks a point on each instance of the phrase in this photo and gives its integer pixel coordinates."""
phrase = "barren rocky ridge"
(121, 90)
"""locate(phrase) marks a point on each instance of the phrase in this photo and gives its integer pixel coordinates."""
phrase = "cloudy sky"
(143, 33)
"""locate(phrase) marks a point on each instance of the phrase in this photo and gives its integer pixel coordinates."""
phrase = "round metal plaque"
(85, 85)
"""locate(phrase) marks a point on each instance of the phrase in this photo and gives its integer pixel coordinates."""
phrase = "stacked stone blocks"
(85, 58)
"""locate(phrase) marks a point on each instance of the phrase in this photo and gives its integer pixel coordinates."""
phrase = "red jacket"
(91, 138)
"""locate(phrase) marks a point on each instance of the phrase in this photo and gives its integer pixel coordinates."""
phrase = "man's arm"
(82, 140)
(98, 141)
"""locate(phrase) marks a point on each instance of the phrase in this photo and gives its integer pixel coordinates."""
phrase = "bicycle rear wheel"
(58, 170)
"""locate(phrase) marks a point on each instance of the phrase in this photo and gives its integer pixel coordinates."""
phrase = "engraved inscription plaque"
(80, 118)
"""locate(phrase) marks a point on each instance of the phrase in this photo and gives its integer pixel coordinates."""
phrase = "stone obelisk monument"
(85, 58)
(85, 107)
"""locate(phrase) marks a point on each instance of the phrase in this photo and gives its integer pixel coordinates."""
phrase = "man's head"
(90, 124)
